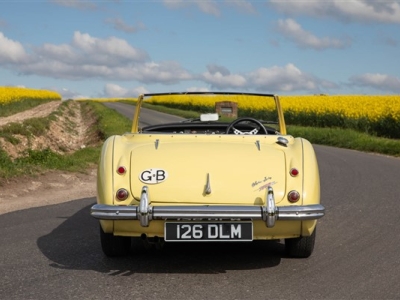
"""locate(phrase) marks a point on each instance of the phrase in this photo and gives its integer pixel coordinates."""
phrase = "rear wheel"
(301, 247)
(114, 245)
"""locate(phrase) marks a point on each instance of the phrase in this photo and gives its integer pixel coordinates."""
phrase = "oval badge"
(153, 176)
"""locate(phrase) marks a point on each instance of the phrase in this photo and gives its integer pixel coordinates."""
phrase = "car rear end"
(206, 188)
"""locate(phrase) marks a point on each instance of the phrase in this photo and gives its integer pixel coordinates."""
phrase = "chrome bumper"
(269, 213)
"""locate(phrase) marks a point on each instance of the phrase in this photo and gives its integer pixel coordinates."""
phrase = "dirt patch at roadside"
(52, 187)
(69, 132)
(36, 112)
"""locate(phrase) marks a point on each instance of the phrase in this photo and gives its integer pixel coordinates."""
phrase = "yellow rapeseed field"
(375, 114)
(371, 107)
(349, 106)
(14, 94)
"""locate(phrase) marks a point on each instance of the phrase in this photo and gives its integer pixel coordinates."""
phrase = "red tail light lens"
(121, 170)
(122, 194)
(293, 196)
(294, 172)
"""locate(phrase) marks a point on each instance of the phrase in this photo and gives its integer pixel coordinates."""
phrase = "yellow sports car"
(207, 180)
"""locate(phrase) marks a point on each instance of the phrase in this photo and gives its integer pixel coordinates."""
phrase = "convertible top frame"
(281, 120)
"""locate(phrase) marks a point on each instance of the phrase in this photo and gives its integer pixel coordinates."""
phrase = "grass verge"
(108, 123)
(348, 139)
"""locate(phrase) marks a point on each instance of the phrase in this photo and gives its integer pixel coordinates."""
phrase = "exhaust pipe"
(155, 242)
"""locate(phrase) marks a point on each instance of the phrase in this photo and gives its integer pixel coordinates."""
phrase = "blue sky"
(120, 48)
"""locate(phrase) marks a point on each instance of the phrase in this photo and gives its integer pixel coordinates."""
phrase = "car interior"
(240, 126)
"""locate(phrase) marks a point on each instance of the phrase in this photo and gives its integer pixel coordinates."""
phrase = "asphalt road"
(53, 252)
(147, 116)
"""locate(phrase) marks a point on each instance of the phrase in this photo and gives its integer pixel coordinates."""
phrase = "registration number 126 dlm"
(206, 231)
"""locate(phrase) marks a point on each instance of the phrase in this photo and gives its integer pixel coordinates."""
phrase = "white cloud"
(107, 51)
(283, 79)
(114, 59)
(197, 89)
(387, 11)
(89, 57)
(206, 6)
(213, 69)
(121, 25)
(242, 5)
(221, 78)
(272, 80)
(294, 32)
(63, 53)
(11, 52)
(378, 81)
(167, 72)
(140, 90)
(115, 91)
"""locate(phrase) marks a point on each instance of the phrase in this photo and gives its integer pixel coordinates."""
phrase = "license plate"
(208, 231)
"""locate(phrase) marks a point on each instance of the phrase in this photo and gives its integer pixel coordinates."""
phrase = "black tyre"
(114, 245)
(301, 247)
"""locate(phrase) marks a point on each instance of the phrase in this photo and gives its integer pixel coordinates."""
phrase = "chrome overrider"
(270, 213)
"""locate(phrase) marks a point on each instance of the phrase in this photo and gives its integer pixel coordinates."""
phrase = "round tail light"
(121, 170)
(122, 194)
(294, 172)
(293, 196)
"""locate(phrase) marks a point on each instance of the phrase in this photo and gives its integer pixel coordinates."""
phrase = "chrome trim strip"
(284, 213)
(207, 190)
(112, 212)
(206, 212)
(308, 212)
(269, 213)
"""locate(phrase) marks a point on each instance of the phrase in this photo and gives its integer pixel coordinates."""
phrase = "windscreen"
(194, 107)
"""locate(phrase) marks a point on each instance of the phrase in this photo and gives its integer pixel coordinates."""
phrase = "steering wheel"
(246, 119)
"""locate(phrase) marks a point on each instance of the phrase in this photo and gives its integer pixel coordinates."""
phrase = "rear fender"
(105, 173)
(311, 184)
